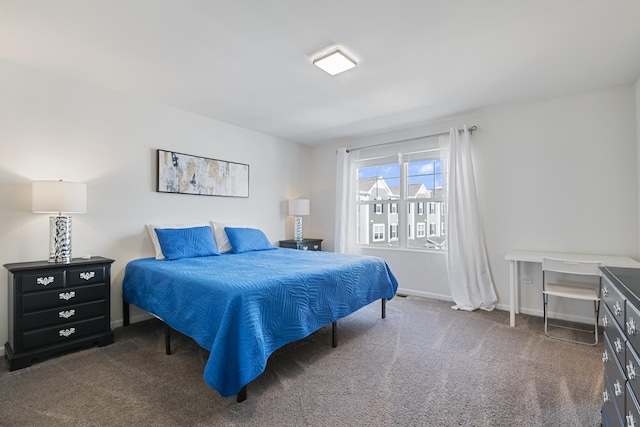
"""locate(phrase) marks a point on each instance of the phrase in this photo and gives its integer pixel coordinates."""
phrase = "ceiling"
(249, 62)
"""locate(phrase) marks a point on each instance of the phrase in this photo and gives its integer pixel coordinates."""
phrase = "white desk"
(528, 256)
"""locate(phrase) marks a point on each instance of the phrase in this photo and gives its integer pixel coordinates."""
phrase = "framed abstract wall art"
(188, 174)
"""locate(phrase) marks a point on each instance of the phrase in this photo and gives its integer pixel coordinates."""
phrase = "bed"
(244, 306)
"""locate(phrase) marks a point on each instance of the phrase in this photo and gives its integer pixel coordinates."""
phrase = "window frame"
(399, 214)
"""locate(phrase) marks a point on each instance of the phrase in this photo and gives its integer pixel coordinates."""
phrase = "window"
(378, 232)
(392, 190)
(393, 232)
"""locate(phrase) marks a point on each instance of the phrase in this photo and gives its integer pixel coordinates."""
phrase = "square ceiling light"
(334, 62)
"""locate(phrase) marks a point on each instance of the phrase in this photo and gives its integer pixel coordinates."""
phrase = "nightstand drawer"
(62, 333)
(85, 276)
(63, 297)
(61, 315)
(42, 281)
(303, 245)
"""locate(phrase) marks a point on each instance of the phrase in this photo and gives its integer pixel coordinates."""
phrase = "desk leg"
(513, 278)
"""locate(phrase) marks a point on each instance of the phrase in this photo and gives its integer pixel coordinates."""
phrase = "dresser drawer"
(85, 276)
(42, 281)
(632, 323)
(65, 314)
(62, 333)
(632, 369)
(614, 371)
(632, 411)
(610, 407)
(614, 300)
(615, 335)
(63, 297)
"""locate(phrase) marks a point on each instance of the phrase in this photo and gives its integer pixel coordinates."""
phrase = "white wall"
(637, 88)
(55, 128)
(559, 175)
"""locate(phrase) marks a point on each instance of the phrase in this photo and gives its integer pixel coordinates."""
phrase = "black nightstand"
(304, 244)
(55, 307)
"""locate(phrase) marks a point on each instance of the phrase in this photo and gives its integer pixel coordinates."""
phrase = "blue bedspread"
(243, 307)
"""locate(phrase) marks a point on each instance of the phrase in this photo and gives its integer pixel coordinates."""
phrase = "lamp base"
(298, 232)
(60, 239)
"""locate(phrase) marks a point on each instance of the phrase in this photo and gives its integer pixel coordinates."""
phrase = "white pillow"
(154, 237)
(222, 240)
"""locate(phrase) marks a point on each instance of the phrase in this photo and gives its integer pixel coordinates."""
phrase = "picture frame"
(190, 174)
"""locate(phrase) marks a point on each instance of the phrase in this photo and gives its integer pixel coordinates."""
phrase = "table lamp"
(59, 197)
(298, 208)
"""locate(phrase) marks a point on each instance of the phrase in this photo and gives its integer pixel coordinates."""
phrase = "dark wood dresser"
(55, 307)
(621, 321)
(304, 244)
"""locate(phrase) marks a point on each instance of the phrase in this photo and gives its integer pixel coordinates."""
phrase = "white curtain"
(467, 266)
(345, 231)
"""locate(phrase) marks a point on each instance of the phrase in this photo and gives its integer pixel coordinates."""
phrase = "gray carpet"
(425, 365)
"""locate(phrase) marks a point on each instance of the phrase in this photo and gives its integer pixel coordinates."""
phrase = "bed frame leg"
(334, 334)
(167, 339)
(242, 395)
(125, 312)
(384, 308)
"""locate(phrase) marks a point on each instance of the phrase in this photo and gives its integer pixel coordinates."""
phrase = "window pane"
(379, 182)
(426, 231)
(424, 178)
(377, 224)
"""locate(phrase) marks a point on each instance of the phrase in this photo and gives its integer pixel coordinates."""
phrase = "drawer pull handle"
(67, 332)
(605, 356)
(315, 247)
(304, 248)
(617, 389)
(44, 281)
(617, 310)
(66, 314)
(631, 371)
(605, 291)
(630, 421)
(605, 321)
(67, 295)
(617, 344)
(88, 275)
(631, 326)
(605, 396)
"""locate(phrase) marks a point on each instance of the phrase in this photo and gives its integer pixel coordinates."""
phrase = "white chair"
(564, 288)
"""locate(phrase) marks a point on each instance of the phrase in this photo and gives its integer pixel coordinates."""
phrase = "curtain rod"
(471, 129)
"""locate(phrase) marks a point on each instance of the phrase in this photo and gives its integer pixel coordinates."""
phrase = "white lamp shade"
(59, 196)
(299, 207)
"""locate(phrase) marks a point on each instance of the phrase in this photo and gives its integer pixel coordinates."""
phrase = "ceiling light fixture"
(334, 62)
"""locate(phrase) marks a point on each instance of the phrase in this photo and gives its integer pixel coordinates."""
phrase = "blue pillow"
(247, 240)
(191, 242)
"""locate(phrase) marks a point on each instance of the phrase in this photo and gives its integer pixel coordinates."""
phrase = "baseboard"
(504, 307)
(414, 293)
(133, 319)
